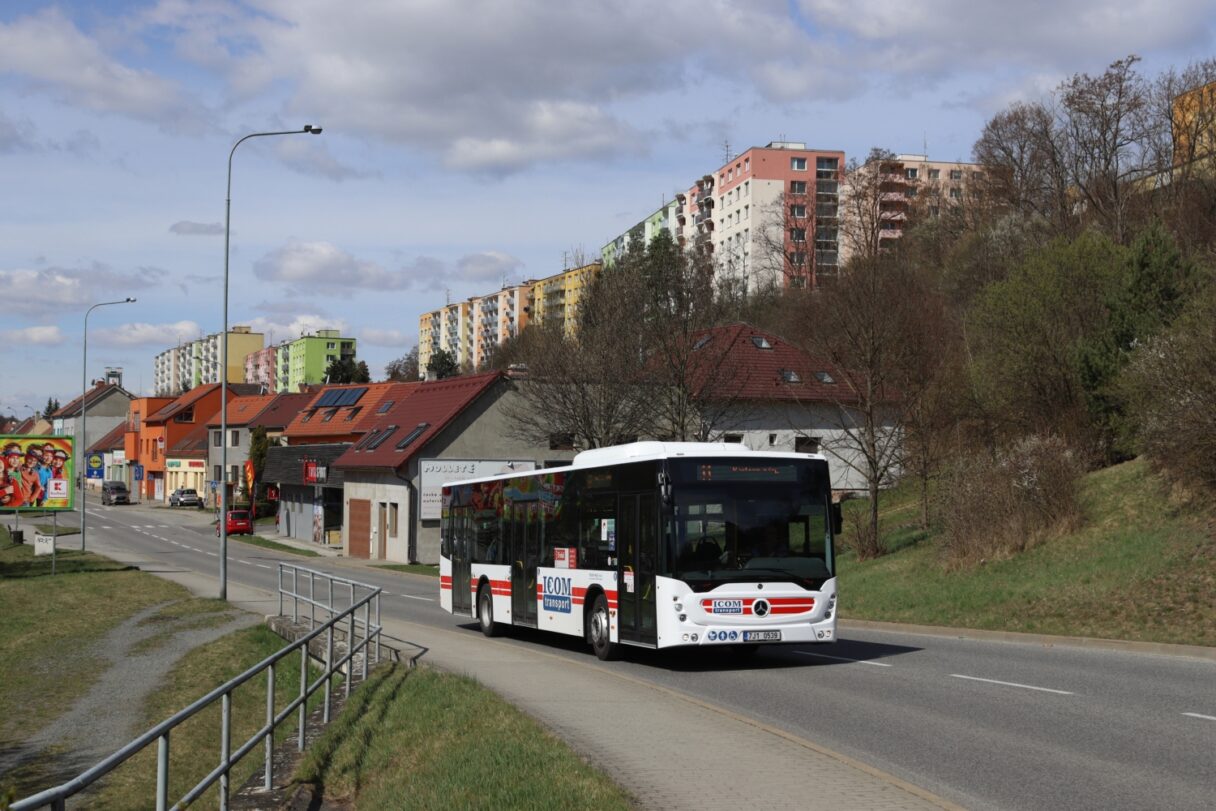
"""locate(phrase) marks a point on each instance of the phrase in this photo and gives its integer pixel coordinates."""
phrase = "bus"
(650, 544)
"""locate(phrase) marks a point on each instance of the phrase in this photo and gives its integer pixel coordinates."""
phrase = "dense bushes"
(993, 505)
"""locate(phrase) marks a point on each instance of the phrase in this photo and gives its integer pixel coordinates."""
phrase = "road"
(989, 725)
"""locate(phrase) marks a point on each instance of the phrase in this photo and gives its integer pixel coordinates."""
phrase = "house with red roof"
(310, 488)
(186, 462)
(771, 395)
(439, 431)
(105, 404)
(112, 453)
(235, 446)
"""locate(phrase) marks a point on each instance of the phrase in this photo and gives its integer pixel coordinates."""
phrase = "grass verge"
(47, 529)
(411, 568)
(1141, 567)
(425, 739)
(258, 540)
(194, 748)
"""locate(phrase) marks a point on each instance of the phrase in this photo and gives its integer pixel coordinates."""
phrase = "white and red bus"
(652, 544)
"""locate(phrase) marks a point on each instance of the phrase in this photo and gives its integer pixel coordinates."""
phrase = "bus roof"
(649, 451)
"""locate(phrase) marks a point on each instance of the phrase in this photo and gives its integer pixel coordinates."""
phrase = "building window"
(798, 259)
(912, 191)
(329, 414)
(561, 442)
(798, 212)
(798, 235)
(747, 164)
(798, 164)
(216, 473)
(216, 439)
(331, 345)
(354, 412)
(734, 438)
(797, 187)
(935, 174)
(790, 376)
(392, 520)
(236, 438)
(955, 194)
(824, 377)
(761, 342)
(806, 444)
(910, 173)
(956, 174)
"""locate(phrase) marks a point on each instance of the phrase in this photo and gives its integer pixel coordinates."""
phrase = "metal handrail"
(57, 796)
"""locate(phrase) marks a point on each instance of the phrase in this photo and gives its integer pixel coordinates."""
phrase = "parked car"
(239, 523)
(115, 493)
(185, 497)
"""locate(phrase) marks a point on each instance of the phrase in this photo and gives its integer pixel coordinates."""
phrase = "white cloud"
(189, 228)
(160, 336)
(385, 337)
(491, 266)
(278, 330)
(51, 290)
(310, 158)
(37, 336)
(51, 53)
(322, 265)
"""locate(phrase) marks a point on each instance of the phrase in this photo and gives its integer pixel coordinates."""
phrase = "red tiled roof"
(193, 396)
(281, 411)
(192, 444)
(110, 441)
(21, 428)
(433, 404)
(311, 422)
(242, 410)
(741, 362)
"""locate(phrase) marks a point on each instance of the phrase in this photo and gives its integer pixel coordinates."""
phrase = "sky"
(466, 143)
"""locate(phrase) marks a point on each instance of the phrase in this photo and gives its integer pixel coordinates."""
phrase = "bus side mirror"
(837, 519)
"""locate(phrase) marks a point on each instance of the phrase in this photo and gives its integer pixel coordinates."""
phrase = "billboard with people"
(38, 473)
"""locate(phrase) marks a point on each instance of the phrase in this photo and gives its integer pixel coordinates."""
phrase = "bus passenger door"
(525, 551)
(638, 540)
(461, 570)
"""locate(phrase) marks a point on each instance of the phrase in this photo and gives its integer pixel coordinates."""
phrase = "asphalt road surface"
(989, 725)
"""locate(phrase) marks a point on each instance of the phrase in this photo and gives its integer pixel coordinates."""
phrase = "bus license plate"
(761, 636)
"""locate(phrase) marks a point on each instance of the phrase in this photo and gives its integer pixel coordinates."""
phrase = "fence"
(56, 798)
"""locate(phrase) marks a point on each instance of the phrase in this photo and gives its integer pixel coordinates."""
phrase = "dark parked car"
(239, 523)
(115, 493)
(185, 497)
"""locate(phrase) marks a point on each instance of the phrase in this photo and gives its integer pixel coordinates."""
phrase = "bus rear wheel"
(599, 630)
(485, 612)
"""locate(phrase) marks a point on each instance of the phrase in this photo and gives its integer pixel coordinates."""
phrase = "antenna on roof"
(726, 156)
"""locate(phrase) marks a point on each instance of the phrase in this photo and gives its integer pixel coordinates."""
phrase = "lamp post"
(223, 482)
(82, 439)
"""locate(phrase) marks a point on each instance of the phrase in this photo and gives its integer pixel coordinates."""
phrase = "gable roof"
(112, 440)
(241, 410)
(281, 411)
(742, 362)
(92, 396)
(192, 444)
(193, 396)
(340, 411)
(428, 408)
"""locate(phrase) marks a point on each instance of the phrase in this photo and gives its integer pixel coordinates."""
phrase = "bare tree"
(403, 369)
(872, 201)
(1023, 164)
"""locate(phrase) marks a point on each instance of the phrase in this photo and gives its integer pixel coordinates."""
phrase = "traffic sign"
(137, 472)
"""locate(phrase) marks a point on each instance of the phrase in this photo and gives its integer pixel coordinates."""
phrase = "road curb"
(1045, 640)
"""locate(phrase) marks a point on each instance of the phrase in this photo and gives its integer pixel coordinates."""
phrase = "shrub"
(996, 505)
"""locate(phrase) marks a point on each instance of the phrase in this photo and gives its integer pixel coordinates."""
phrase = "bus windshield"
(743, 521)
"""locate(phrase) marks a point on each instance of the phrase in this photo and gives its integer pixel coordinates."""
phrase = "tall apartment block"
(469, 330)
(196, 363)
(899, 189)
(286, 366)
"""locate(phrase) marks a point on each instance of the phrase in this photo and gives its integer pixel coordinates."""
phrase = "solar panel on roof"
(353, 396)
(328, 398)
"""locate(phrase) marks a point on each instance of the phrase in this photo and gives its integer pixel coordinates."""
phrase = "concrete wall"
(386, 489)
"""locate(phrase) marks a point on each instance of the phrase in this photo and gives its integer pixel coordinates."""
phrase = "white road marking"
(261, 565)
(412, 597)
(842, 659)
(212, 554)
(1199, 715)
(247, 563)
(1013, 684)
(107, 527)
(163, 526)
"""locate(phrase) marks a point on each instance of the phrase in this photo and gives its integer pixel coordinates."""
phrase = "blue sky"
(466, 142)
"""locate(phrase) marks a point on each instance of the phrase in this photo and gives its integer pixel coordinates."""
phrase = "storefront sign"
(434, 473)
(315, 472)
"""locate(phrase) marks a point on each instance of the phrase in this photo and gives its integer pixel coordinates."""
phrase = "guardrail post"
(280, 591)
(225, 746)
(367, 635)
(377, 627)
(329, 665)
(268, 783)
(312, 605)
(295, 597)
(331, 598)
(350, 652)
(303, 693)
(162, 772)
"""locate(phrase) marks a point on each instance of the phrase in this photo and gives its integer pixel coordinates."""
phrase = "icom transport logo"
(555, 594)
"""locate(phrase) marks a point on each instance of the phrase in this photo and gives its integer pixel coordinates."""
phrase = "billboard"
(38, 473)
(434, 473)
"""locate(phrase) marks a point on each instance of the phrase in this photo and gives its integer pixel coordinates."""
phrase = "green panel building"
(305, 359)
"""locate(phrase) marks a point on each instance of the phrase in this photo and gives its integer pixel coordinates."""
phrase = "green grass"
(1141, 567)
(425, 739)
(194, 749)
(60, 530)
(411, 568)
(258, 540)
(48, 626)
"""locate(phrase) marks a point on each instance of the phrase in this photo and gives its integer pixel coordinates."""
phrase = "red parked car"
(239, 523)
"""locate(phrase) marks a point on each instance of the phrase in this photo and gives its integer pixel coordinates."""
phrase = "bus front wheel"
(599, 630)
(485, 611)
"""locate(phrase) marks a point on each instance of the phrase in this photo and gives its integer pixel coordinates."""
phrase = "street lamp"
(223, 482)
(82, 440)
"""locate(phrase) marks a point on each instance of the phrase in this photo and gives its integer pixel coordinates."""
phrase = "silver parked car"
(185, 497)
